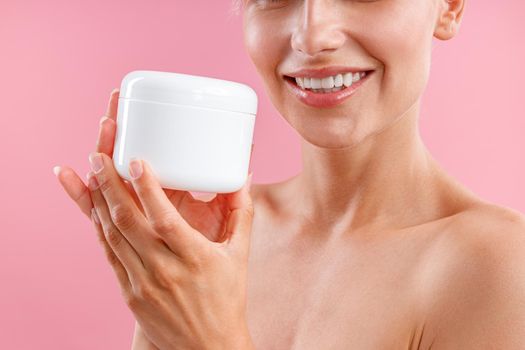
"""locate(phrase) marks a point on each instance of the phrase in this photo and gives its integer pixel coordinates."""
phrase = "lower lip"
(328, 99)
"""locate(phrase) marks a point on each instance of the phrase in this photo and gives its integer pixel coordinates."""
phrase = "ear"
(449, 18)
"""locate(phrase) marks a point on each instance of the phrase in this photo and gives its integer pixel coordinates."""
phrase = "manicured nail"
(135, 168)
(102, 120)
(96, 162)
(56, 170)
(94, 216)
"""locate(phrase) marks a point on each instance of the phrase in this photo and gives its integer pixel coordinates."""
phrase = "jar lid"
(185, 89)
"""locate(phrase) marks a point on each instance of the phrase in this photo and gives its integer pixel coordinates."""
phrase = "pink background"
(59, 61)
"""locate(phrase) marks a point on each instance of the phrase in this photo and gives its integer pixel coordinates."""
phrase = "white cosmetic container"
(195, 132)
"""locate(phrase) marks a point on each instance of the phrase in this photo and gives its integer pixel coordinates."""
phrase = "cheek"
(261, 47)
(401, 41)
(266, 49)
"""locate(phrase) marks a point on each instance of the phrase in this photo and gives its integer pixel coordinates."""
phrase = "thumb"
(239, 222)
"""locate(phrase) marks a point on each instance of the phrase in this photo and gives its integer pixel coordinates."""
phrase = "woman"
(371, 246)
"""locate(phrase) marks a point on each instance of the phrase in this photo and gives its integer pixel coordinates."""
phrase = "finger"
(75, 188)
(118, 243)
(176, 197)
(112, 107)
(118, 268)
(105, 143)
(106, 136)
(161, 214)
(108, 125)
(239, 223)
(251, 157)
(124, 213)
(107, 133)
(131, 191)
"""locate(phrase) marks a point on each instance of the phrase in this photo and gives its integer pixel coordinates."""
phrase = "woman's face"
(390, 38)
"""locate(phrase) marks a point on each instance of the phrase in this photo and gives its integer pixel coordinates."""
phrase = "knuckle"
(112, 258)
(113, 236)
(162, 275)
(146, 293)
(131, 299)
(195, 264)
(195, 267)
(104, 184)
(163, 224)
(126, 294)
(122, 216)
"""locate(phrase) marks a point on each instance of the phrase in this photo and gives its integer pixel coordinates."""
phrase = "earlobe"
(449, 19)
(446, 28)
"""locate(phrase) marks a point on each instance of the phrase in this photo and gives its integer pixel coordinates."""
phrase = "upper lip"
(325, 71)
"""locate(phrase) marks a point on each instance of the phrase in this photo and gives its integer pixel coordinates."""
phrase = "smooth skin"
(373, 245)
(180, 262)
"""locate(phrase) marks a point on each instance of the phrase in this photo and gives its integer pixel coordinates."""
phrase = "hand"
(71, 182)
(79, 193)
(191, 209)
(184, 289)
(140, 341)
(227, 216)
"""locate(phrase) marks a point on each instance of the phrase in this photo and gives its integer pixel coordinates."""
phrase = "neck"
(387, 180)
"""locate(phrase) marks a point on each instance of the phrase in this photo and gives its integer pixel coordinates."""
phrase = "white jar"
(195, 132)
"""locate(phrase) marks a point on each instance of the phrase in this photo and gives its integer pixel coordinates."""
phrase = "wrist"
(140, 341)
(240, 340)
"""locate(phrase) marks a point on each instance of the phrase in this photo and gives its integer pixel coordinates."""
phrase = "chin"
(330, 135)
(338, 128)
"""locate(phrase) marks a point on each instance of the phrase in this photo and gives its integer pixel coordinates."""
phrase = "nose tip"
(312, 38)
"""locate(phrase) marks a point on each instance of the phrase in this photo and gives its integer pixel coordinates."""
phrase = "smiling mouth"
(328, 84)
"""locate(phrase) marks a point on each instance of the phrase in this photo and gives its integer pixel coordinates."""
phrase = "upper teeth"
(330, 82)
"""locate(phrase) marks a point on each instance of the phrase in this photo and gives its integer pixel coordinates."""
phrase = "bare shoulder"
(491, 228)
(477, 242)
(478, 289)
(491, 242)
(484, 235)
(491, 213)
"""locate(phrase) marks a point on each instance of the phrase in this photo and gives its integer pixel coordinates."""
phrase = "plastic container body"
(195, 132)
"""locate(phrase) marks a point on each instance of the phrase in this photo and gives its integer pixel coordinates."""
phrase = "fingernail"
(94, 216)
(92, 181)
(96, 162)
(102, 120)
(135, 168)
(56, 170)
